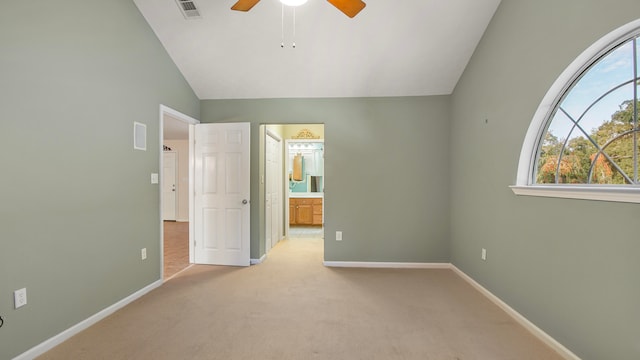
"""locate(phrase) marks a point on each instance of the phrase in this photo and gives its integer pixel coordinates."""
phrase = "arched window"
(584, 141)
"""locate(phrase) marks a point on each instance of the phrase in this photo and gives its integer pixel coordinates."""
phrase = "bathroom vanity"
(305, 209)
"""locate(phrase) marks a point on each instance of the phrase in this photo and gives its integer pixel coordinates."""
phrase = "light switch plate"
(20, 298)
(154, 178)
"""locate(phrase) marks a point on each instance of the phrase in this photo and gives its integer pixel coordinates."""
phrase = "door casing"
(191, 122)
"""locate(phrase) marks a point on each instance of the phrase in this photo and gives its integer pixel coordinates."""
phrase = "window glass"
(637, 57)
(592, 137)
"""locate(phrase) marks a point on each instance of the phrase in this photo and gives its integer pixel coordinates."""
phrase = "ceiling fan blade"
(244, 5)
(350, 8)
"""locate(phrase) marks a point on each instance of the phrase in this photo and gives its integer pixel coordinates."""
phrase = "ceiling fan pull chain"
(282, 27)
(294, 27)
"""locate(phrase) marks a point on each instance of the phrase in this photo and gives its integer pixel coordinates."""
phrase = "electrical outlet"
(20, 298)
(143, 253)
(484, 254)
(338, 235)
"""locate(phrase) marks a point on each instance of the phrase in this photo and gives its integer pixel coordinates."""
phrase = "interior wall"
(386, 169)
(76, 201)
(570, 266)
(181, 147)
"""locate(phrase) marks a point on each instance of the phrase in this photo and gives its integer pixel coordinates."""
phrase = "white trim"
(258, 261)
(526, 162)
(75, 329)
(192, 192)
(519, 318)
(165, 110)
(600, 193)
(178, 115)
(387, 265)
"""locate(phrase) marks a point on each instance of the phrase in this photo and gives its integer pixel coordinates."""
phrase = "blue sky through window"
(614, 69)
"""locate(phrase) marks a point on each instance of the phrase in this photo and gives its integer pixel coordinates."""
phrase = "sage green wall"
(570, 266)
(386, 168)
(76, 202)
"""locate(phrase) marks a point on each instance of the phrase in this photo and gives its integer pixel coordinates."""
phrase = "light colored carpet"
(292, 307)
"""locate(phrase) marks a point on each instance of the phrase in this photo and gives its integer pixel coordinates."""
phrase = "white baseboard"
(519, 318)
(258, 261)
(386, 265)
(75, 329)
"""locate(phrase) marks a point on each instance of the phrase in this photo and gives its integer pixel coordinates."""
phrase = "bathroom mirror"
(306, 166)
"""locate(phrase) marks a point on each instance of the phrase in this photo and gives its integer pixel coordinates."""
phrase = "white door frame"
(167, 111)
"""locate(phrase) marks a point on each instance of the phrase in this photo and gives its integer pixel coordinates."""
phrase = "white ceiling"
(392, 48)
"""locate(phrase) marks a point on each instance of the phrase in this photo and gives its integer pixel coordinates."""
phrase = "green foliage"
(615, 137)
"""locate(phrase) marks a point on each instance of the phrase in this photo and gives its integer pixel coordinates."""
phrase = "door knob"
(244, 202)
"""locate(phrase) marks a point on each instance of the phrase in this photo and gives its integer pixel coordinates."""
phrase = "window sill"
(599, 193)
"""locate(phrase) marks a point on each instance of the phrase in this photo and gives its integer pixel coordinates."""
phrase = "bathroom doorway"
(294, 202)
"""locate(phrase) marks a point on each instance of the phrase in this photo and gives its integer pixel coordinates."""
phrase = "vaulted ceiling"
(391, 48)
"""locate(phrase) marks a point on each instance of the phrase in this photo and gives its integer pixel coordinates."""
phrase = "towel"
(297, 168)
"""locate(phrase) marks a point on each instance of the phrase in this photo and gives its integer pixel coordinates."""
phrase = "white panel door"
(221, 206)
(169, 160)
(273, 186)
(268, 211)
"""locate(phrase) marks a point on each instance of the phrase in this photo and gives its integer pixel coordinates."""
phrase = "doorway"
(175, 155)
(293, 205)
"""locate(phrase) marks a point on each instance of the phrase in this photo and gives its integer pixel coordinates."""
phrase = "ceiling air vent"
(189, 9)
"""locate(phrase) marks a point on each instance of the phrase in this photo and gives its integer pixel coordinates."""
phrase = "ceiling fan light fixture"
(293, 2)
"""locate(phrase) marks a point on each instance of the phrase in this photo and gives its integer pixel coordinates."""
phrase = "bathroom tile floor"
(306, 232)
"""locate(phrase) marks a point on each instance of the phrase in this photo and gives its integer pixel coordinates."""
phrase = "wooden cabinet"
(305, 211)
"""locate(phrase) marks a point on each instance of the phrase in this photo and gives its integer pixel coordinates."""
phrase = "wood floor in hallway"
(176, 247)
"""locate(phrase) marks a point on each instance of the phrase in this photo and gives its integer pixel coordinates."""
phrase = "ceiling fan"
(350, 8)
